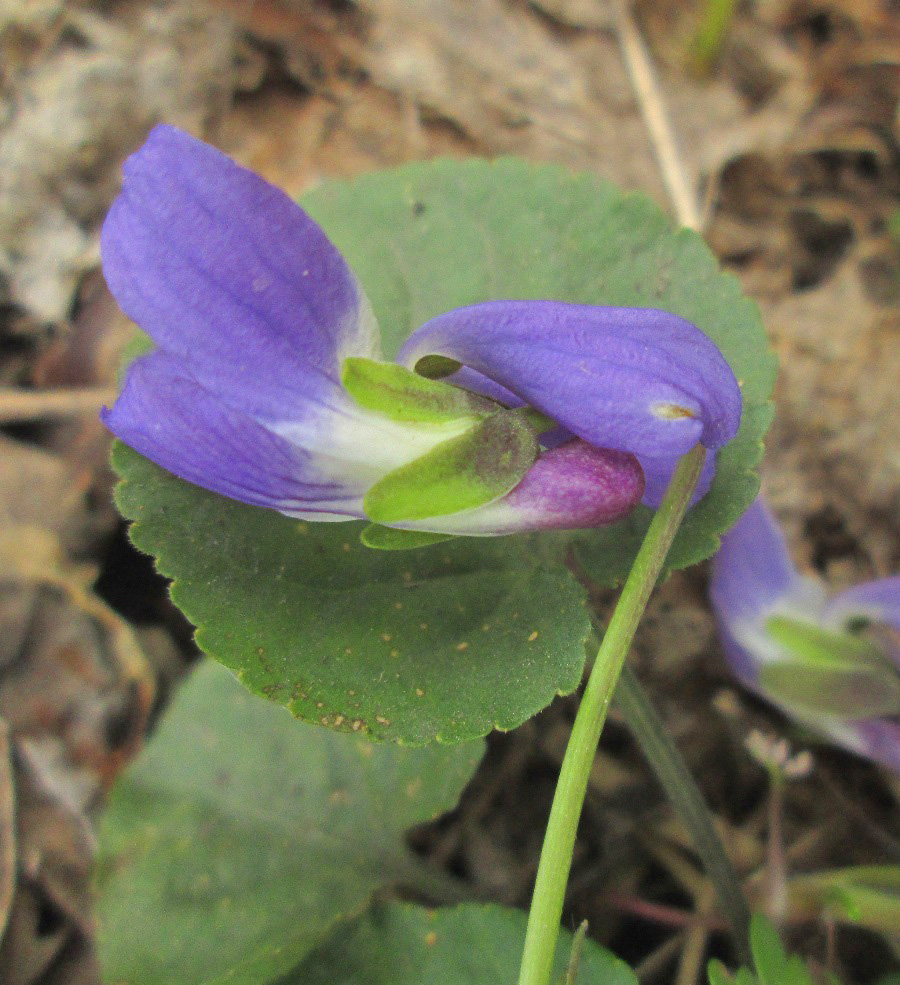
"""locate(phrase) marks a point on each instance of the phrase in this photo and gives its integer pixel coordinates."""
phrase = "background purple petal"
(878, 739)
(752, 568)
(226, 272)
(604, 373)
(164, 414)
(876, 600)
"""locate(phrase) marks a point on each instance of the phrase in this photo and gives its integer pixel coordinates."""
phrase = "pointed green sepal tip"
(402, 395)
(391, 539)
(465, 472)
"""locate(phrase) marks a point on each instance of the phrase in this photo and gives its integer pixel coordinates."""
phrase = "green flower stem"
(686, 798)
(559, 841)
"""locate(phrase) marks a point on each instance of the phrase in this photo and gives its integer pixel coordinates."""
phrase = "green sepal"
(465, 472)
(402, 395)
(830, 672)
(819, 644)
(392, 539)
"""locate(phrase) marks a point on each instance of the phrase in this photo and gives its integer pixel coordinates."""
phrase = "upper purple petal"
(752, 569)
(874, 601)
(633, 379)
(658, 474)
(225, 272)
(171, 419)
(878, 601)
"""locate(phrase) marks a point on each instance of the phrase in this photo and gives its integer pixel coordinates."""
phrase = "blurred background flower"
(830, 663)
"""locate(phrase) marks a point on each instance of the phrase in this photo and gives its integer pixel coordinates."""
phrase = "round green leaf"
(332, 630)
(467, 945)
(238, 838)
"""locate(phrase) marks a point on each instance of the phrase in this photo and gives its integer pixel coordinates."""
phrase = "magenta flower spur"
(831, 663)
(268, 385)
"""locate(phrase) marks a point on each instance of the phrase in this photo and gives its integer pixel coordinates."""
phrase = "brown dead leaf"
(75, 693)
(48, 937)
(596, 15)
(835, 444)
(72, 677)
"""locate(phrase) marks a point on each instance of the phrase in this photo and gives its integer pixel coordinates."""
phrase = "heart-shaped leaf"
(467, 945)
(239, 837)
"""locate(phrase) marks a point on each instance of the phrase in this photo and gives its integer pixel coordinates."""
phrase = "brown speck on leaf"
(348, 650)
(413, 787)
(386, 637)
(430, 939)
(462, 646)
(339, 720)
(420, 693)
(356, 724)
(320, 704)
(382, 720)
(533, 636)
(398, 605)
(486, 627)
(345, 548)
(395, 653)
(423, 626)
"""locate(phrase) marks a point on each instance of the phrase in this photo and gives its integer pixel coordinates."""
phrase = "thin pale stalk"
(682, 790)
(559, 841)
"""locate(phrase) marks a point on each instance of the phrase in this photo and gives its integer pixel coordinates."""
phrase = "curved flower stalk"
(267, 383)
(833, 664)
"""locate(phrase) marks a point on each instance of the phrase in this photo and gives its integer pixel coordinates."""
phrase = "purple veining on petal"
(632, 379)
(224, 271)
(574, 486)
(171, 419)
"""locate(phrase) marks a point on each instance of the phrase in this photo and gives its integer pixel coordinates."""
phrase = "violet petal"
(877, 600)
(632, 379)
(168, 417)
(752, 569)
(224, 271)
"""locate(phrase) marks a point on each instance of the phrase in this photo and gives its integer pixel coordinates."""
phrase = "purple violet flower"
(833, 664)
(267, 383)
